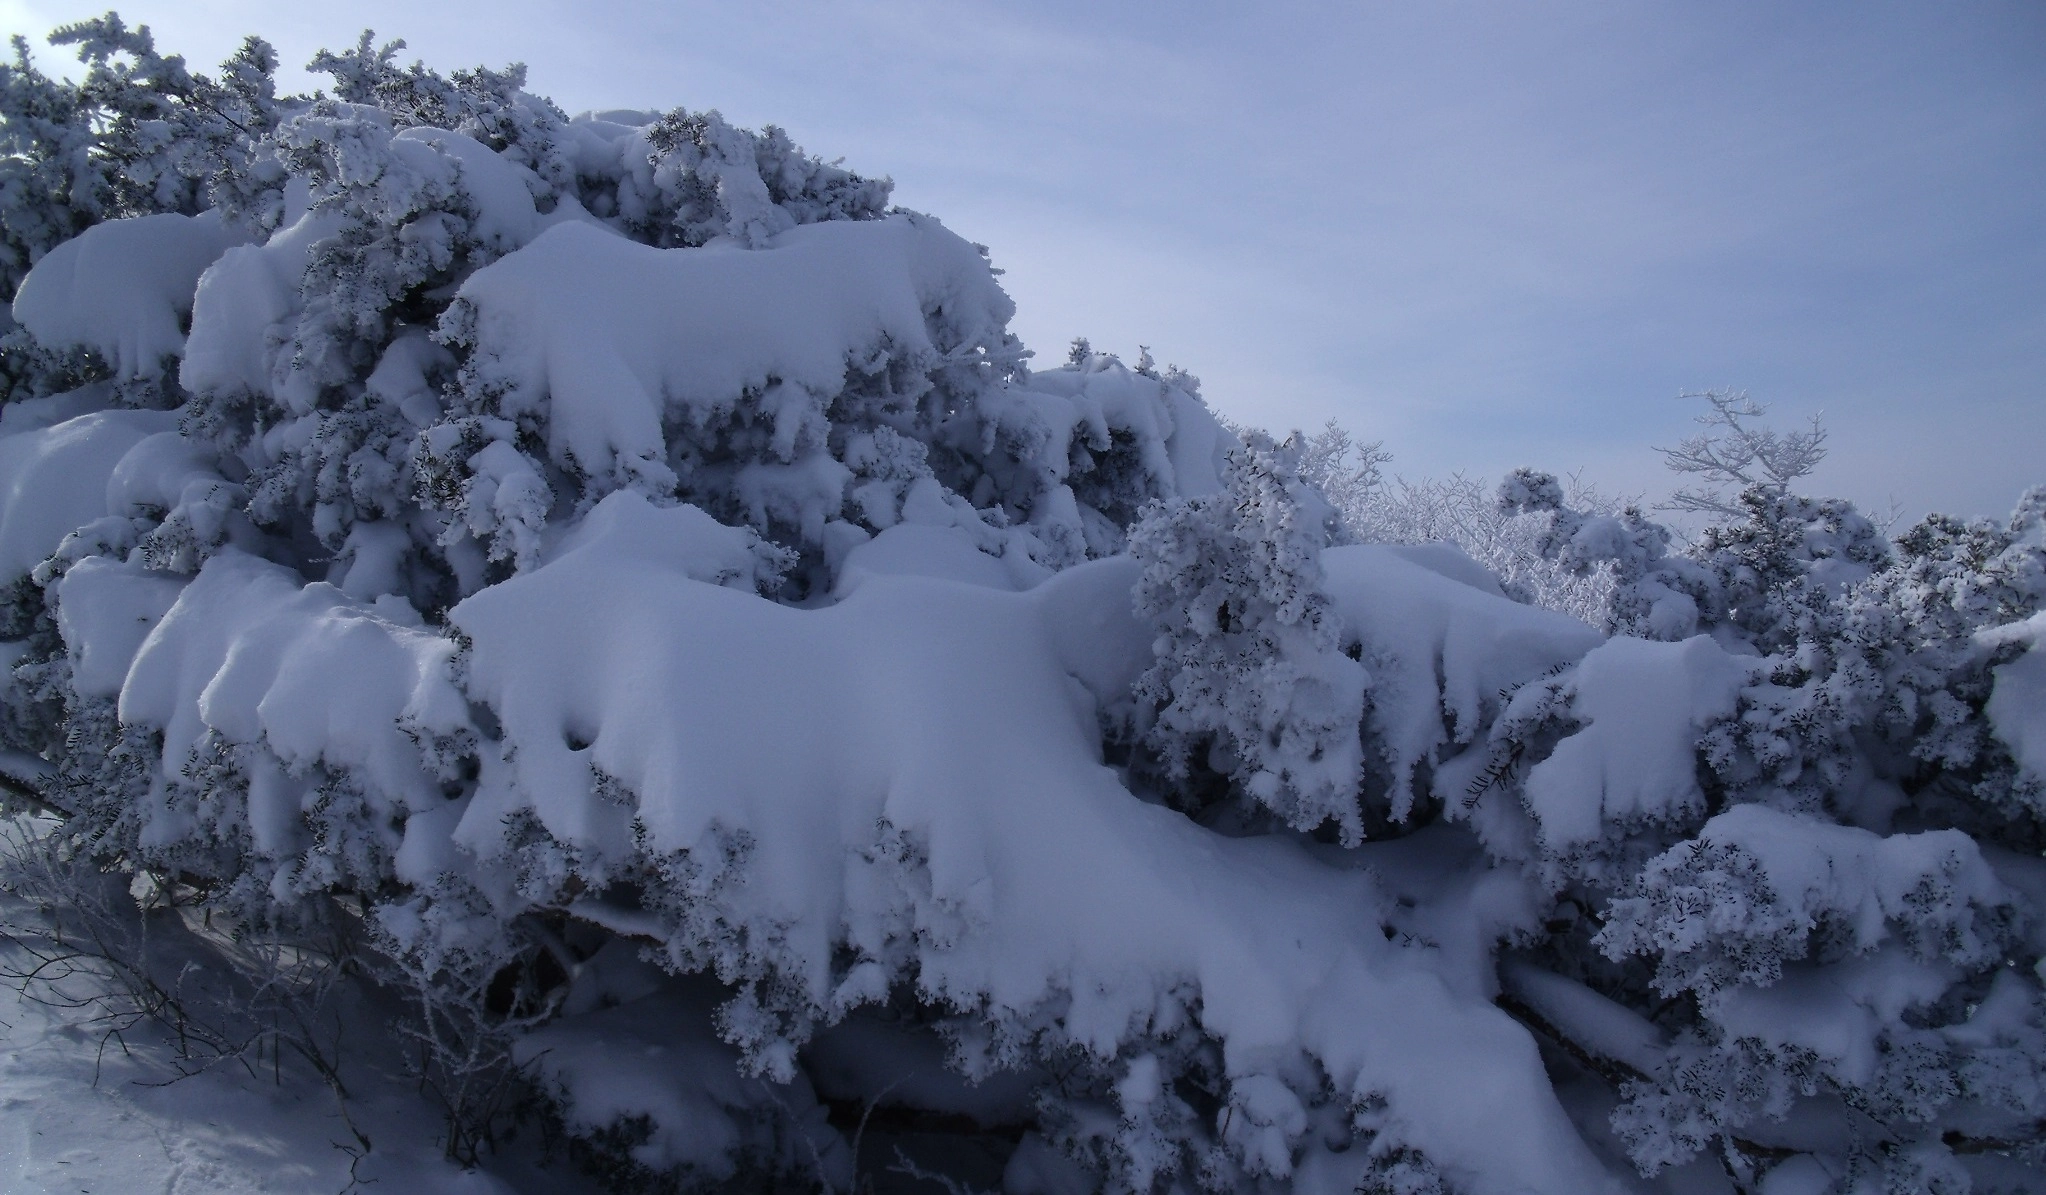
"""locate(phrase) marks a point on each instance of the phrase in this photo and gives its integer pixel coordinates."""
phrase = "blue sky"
(1490, 234)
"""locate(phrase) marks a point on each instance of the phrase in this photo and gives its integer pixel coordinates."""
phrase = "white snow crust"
(1601, 1025)
(1841, 930)
(656, 1057)
(251, 655)
(240, 312)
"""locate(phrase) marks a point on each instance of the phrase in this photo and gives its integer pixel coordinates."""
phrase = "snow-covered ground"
(81, 1112)
(95, 1097)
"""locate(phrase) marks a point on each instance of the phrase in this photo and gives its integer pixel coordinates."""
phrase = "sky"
(1488, 234)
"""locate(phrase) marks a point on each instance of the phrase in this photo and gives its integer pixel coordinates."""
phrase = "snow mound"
(1602, 1026)
(105, 609)
(1179, 444)
(121, 288)
(680, 537)
(242, 314)
(1759, 886)
(1643, 706)
(1816, 938)
(54, 480)
(924, 550)
(249, 655)
(655, 1058)
(1443, 644)
(498, 189)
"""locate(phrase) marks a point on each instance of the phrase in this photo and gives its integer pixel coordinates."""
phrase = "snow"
(680, 537)
(1835, 1012)
(615, 337)
(804, 706)
(1601, 1025)
(1642, 705)
(922, 550)
(251, 653)
(63, 1133)
(1799, 1175)
(1867, 885)
(29, 414)
(121, 288)
(162, 473)
(1737, 912)
(1442, 643)
(935, 712)
(810, 732)
(105, 609)
(1448, 560)
(500, 191)
(241, 312)
(1179, 439)
(55, 479)
(79, 1114)
(2017, 704)
(655, 1057)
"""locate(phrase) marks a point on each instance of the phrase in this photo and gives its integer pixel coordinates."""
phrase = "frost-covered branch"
(1735, 453)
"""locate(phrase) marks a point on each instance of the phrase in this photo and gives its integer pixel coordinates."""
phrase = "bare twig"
(909, 1169)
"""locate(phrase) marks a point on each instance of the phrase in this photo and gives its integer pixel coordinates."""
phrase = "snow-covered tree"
(140, 134)
(1459, 510)
(627, 580)
(1814, 826)
(1255, 678)
(1652, 593)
